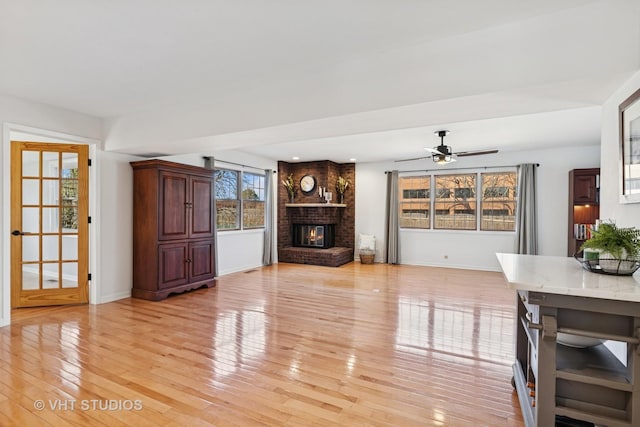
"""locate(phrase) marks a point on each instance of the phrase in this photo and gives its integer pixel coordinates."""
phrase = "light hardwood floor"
(290, 345)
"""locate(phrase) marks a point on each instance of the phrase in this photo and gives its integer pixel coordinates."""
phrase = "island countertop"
(565, 276)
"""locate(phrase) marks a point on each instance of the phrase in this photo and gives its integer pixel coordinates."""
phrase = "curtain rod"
(216, 160)
(457, 169)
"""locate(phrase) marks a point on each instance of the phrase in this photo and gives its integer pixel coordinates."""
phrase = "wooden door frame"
(43, 135)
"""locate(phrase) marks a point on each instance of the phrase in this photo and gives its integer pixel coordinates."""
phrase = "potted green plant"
(619, 247)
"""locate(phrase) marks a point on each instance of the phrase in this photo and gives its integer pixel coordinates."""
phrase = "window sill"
(247, 231)
(315, 205)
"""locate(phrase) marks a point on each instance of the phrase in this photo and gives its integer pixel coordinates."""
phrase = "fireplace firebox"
(314, 236)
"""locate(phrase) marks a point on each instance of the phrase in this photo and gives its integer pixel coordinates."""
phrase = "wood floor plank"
(285, 345)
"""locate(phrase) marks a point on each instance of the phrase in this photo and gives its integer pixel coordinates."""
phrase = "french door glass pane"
(30, 163)
(50, 164)
(30, 276)
(50, 276)
(50, 192)
(69, 248)
(69, 274)
(69, 219)
(30, 249)
(69, 165)
(50, 222)
(30, 223)
(30, 191)
(50, 248)
(69, 191)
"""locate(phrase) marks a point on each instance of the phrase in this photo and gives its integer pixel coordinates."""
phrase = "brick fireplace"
(337, 220)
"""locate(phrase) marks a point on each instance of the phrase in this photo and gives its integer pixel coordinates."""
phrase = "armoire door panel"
(173, 265)
(202, 260)
(201, 207)
(173, 206)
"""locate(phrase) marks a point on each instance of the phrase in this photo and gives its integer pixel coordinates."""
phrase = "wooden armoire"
(173, 228)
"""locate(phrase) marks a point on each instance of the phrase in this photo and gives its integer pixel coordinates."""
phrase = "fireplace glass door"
(313, 236)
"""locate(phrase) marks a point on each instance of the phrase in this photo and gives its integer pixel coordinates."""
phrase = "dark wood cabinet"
(174, 230)
(584, 206)
(585, 186)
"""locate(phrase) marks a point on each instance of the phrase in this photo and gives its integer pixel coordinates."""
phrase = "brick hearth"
(332, 257)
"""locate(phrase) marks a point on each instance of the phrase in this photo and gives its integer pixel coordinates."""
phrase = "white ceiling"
(337, 79)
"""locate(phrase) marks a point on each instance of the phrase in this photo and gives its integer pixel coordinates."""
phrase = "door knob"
(17, 233)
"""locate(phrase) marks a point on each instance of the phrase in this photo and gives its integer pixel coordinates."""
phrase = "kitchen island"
(587, 382)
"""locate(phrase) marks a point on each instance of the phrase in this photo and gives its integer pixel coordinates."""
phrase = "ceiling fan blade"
(415, 158)
(432, 150)
(475, 153)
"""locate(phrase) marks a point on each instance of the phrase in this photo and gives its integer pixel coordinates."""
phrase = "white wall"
(625, 215)
(475, 250)
(114, 269)
(17, 114)
(239, 250)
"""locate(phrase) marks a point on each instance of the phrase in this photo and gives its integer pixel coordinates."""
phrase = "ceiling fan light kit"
(442, 158)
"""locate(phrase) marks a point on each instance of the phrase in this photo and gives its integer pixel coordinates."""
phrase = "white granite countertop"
(565, 276)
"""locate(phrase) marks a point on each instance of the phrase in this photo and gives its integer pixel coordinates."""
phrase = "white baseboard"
(113, 297)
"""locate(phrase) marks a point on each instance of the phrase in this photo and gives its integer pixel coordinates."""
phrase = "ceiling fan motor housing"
(444, 149)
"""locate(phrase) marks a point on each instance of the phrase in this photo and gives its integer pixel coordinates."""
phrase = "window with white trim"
(240, 199)
(456, 204)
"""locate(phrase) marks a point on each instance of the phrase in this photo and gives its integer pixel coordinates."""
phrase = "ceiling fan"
(443, 154)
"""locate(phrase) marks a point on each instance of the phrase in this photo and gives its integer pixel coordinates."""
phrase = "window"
(240, 200)
(252, 200)
(461, 208)
(414, 201)
(227, 206)
(455, 204)
(498, 201)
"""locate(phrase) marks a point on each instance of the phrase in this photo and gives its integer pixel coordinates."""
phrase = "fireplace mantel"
(315, 205)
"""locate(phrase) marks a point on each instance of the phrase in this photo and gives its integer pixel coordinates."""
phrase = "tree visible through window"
(498, 201)
(455, 201)
(69, 189)
(227, 205)
(252, 200)
(239, 199)
(458, 201)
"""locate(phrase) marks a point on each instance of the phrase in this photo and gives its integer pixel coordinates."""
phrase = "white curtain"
(527, 217)
(392, 228)
(267, 249)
